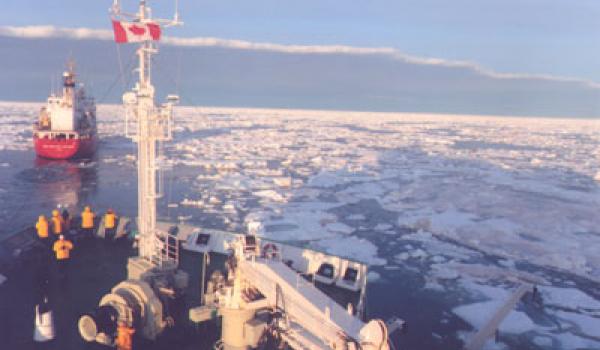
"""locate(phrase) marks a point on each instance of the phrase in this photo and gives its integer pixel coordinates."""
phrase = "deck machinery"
(264, 294)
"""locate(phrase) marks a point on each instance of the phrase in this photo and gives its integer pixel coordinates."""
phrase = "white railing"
(160, 120)
(166, 247)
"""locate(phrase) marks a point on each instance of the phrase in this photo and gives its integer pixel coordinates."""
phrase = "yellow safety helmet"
(55, 212)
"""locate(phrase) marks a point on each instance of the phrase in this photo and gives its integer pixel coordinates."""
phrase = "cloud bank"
(41, 32)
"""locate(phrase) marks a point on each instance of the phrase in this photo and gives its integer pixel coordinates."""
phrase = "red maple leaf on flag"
(137, 30)
(127, 32)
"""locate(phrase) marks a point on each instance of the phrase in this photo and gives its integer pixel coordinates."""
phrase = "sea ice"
(588, 325)
(571, 298)
(351, 247)
(478, 314)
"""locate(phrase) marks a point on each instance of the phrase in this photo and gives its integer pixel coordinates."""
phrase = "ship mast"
(148, 125)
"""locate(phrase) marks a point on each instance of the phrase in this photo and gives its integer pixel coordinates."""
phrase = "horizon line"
(351, 111)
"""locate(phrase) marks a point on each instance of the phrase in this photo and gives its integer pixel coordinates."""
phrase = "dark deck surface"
(95, 267)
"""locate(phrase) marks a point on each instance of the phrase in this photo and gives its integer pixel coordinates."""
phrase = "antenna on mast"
(176, 15)
(115, 8)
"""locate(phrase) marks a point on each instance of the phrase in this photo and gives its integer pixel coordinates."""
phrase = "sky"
(549, 38)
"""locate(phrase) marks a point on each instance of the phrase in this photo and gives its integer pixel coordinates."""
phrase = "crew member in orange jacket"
(42, 227)
(62, 248)
(57, 223)
(87, 222)
(124, 337)
(110, 224)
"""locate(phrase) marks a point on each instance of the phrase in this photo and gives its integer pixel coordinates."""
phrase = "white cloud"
(40, 32)
(37, 32)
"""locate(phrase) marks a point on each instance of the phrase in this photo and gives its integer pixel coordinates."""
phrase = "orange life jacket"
(87, 219)
(57, 225)
(42, 228)
(110, 220)
(62, 248)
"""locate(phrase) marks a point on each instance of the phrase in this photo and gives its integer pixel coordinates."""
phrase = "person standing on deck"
(87, 222)
(41, 227)
(124, 339)
(57, 223)
(66, 219)
(62, 247)
(110, 224)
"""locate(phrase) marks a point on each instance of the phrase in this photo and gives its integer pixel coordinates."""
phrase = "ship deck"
(96, 266)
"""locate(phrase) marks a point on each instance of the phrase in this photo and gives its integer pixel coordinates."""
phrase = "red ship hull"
(52, 148)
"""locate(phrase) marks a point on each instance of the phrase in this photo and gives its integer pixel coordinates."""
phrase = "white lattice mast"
(146, 124)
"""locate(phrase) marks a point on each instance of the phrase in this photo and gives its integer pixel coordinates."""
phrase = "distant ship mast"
(147, 124)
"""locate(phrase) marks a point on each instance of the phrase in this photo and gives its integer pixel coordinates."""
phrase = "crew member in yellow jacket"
(87, 222)
(62, 248)
(57, 223)
(110, 224)
(42, 227)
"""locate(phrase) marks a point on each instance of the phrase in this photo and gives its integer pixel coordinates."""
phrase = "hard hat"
(42, 217)
(55, 212)
(87, 208)
(61, 237)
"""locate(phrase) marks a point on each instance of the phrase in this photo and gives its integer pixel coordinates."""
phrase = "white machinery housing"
(266, 295)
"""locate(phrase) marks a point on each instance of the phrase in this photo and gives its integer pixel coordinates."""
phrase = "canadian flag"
(127, 32)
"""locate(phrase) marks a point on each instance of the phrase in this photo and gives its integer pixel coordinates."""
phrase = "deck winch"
(139, 303)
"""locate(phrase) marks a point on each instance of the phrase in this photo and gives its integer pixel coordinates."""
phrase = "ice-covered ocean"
(451, 212)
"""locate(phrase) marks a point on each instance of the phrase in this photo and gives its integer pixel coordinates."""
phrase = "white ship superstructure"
(66, 127)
